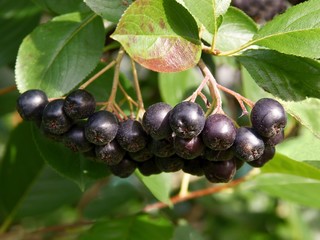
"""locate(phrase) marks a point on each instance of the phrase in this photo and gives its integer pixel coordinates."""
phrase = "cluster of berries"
(166, 140)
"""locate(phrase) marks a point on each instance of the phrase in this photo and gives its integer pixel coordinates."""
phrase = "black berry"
(188, 148)
(194, 166)
(248, 145)
(219, 172)
(141, 155)
(31, 104)
(155, 121)
(101, 127)
(124, 168)
(268, 154)
(223, 155)
(219, 132)
(187, 119)
(111, 153)
(75, 139)
(268, 117)
(131, 136)
(79, 104)
(148, 167)
(161, 148)
(169, 164)
(274, 140)
(54, 119)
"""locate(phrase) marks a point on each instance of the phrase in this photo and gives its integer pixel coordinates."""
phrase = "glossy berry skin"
(149, 167)
(187, 119)
(268, 117)
(79, 104)
(268, 154)
(111, 153)
(124, 168)
(161, 148)
(131, 136)
(75, 139)
(219, 172)
(219, 132)
(248, 145)
(188, 148)
(54, 119)
(194, 166)
(101, 127)
(169, 164)
(31, 104)
(141, 155)
(155, 121)
(274, 140)
(212, 155)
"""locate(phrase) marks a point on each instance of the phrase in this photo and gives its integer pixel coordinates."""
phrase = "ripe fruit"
(248, 145)
(223, 155)
(124, 168)
(101, 127)
(161, 148)
(188, 148)
(148, 167)
(54, 119)
(111, 153)
(169, 164)
(155, 121)
(75, 139)
(187, 119)
(219, 172)
(141, 155)
(79, 104)
(219, 132)
(274, 140)
(268, 117)
(31, 104)
(268, 154)
(194, 166)
(131, 136)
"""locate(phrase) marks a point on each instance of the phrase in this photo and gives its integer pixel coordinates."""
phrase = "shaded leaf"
(110, 10)
(17, 19)
(160, 35)
(140, 227)
(74, 166)
(159, 185)
(285, 76)
(294, 32)
(20, 167)
(63, 6)
(58, 55)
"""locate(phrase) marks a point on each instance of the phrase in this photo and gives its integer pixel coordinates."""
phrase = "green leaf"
(17, 19)
(74, 166)
(20, 167)
(140, 227)
(175, 87)
(186, 232)
(306, 112)
(63, 6)
(49, 192)
(110, 10)
(236, 29)
(58, 55)
(159, 185)
(10, 98)
(160, 35)
(294, 32)
(285, 76)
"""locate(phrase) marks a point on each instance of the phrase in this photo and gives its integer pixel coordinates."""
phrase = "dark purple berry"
(101, 127)
(239, 162)
(194, 166)
(79, 104)
(75, 139)
(268, 154)
(219, 172)
(248, 145)
(111, 153)
(268, 117)
(274, 140)
(169, 164)
(54, 119)
(187, 119)
(155, 121)
(131, 136)
(188, 148)
(213, 155)
(161, 148)
(124, 168)
(31, 104)
(141, 155)
(148, 167)
(219, 132)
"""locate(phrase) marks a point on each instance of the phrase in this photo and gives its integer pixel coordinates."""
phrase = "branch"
(7, 89)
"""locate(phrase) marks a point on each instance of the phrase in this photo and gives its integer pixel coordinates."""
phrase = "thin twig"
(184, 185)
(141, 109)
(196, 194)
(98, 74)
(7, 89)
(194, 95)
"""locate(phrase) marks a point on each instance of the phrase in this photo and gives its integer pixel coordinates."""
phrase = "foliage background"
(47, 192)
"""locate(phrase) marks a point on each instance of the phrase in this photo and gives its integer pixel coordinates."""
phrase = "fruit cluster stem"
(138, 90)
